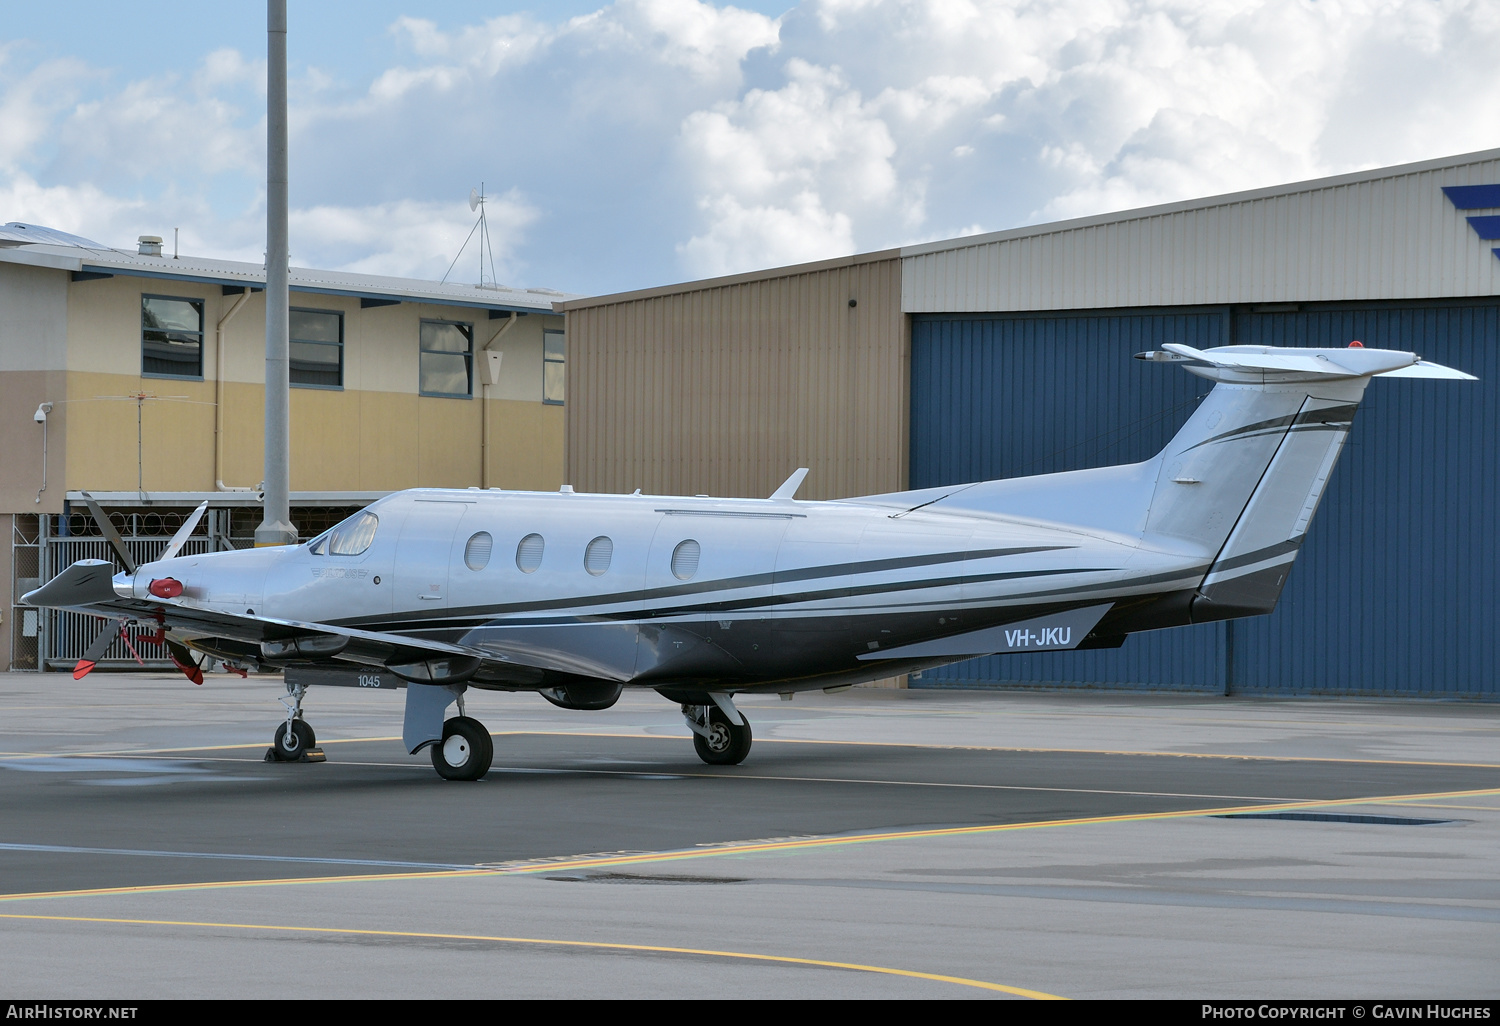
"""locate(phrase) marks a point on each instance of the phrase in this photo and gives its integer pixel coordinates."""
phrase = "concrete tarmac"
(874, 844)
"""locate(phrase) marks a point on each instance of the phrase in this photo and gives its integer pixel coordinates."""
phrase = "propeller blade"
(183, 657)
(97, 649)
(110, 534)
(184, 532)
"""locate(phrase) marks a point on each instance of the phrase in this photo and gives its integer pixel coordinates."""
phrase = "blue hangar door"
(1395, 591)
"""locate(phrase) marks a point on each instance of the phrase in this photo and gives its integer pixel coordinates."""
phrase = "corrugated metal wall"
(1372, 235)
(725, 389)
(1395, 589)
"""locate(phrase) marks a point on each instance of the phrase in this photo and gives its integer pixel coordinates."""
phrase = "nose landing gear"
(294, 740)
(717, 739)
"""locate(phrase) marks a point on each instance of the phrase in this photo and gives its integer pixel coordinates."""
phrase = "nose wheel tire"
(726, 744)
(291, 745)
(465, 751)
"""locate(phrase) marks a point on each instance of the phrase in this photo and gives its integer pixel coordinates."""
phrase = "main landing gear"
(717, 739)
(294, 740)
(465, 751)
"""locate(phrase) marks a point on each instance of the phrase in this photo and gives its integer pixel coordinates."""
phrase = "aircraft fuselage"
(658, 590)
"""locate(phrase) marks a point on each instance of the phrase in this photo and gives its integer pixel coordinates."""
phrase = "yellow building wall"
(375, 434)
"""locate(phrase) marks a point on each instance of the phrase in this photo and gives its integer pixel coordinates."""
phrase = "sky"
(642, 142)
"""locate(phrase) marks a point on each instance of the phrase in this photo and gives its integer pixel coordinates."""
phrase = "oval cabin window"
(597, 556)
(685, 559)
(529, 553)
(477, 552)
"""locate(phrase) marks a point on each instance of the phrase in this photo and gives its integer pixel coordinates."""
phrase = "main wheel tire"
(291, 745)
(726, 745)
(465, 751)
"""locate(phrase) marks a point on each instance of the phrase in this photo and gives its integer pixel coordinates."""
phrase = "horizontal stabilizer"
(1268, 364)
(1423, 369)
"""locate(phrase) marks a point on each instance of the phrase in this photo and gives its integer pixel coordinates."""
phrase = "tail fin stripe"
(1259, 555)
(1329, 418)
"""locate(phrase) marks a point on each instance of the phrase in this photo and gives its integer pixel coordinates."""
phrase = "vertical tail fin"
(1244, 476)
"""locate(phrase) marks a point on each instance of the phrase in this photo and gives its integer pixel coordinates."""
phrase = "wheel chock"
(311, 755)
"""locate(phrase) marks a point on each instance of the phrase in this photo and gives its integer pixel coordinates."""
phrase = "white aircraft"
(578, 596)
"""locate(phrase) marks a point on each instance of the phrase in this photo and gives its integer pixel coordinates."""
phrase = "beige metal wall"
(1384, 234)
(724, 387)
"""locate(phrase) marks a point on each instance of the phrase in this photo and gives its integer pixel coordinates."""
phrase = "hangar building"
(1009, 354)
(139, 376)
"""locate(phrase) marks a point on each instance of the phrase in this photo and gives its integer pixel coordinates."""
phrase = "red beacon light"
(166, 588)
(1356, 344)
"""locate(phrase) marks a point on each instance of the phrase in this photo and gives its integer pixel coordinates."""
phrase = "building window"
(171, 337)
(317, 349)
(447, 359)
(554, 365)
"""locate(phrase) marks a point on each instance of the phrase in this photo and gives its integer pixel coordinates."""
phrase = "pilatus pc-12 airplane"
(577, 596)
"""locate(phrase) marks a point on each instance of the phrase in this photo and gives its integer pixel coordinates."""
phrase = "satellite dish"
(474, 199)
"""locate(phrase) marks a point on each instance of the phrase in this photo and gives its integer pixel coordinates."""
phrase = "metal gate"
(62, 636)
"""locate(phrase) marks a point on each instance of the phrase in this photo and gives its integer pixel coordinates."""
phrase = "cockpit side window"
(350, 538)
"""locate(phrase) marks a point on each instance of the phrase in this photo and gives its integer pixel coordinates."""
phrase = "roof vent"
(150, 245)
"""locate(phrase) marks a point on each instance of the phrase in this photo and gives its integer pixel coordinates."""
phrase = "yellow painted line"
(521, 867)
(547, 942)
(529, 867)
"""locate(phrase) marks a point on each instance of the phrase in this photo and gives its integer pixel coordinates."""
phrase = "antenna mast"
(482, 226)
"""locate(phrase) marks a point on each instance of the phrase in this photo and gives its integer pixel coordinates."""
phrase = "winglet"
(790, 485)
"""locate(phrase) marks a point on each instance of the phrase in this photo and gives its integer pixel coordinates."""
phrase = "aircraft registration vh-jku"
(578, 596)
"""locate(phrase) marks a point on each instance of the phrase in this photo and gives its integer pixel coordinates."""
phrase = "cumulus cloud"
(656, 139)
(913, 118)
(796, 230)
(84, 210)
(31, 102)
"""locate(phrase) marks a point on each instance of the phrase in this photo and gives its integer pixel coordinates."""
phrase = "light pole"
(276, 528)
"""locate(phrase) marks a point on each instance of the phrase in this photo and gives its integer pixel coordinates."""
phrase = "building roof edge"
(744, 277)
(1222, 199)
